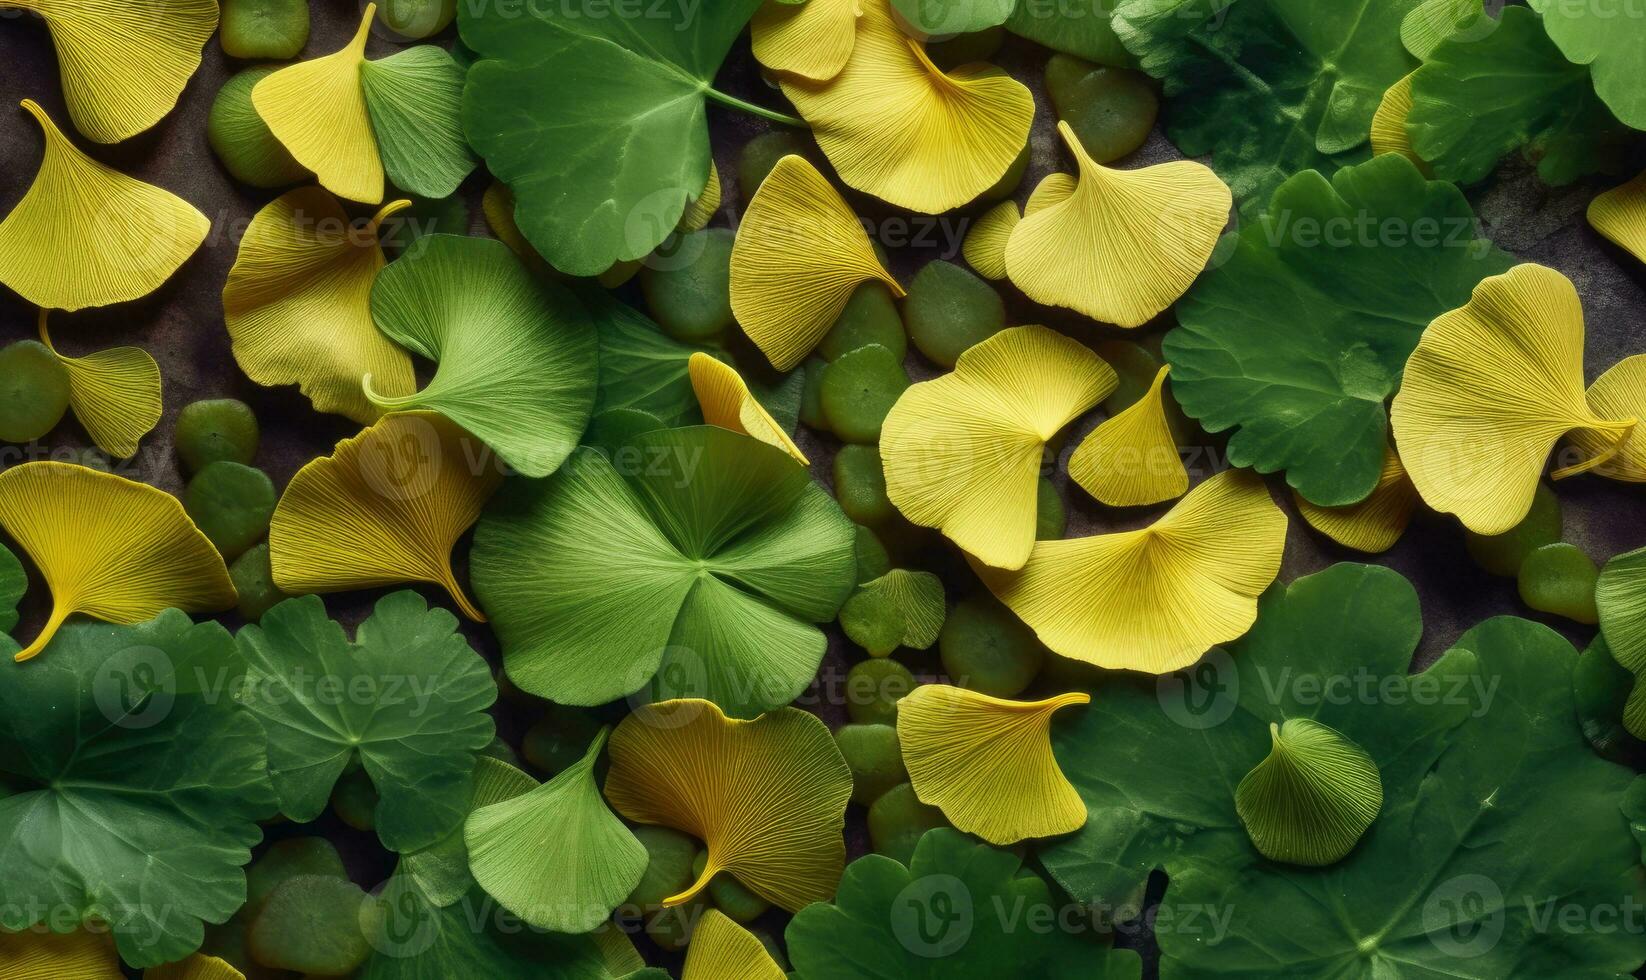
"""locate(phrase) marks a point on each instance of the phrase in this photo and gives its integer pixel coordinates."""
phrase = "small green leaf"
(574, 885)
(1081, 29)
(640, 367)
(13, 583)
(407, 698)
(1312, 797)
(943, 17)
(912, 600)
(415, 101)
(441, 870)
(517, 362)
(1620, 600)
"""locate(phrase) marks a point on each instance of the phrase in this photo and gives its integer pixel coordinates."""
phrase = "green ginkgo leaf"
(415, 100)
(641, 367)
(900, 608)
(406, 700)
(13, 583)
(942, 17)
(441, 870)
(598, 124)
(1311, 797)
(1484, 93)
(1620, 599)
(517, 358)
(1301, 335)
(699, 556)
(557, 856)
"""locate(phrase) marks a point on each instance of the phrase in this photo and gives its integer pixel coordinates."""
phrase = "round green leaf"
(1311, 797)
(699, 556)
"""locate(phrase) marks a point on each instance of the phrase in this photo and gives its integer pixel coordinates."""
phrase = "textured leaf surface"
(1610, 37)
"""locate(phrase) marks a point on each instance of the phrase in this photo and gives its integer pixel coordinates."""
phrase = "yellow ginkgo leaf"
(1124, 244)
(985, 245)
(767, 797)
(1374, 524)
(196, 967)
(39, 955)
(115, 550)
(385, 507)
(800, 253)
(896, 126)
(124, 64)
(723, 950)
(812, 40)
(987, 762)
(1131, 458)
(115, 394)
(298, 305)
(317, 110)
(963, 452)
(87, 235)
(699, 212)
(1156, 598)
(1490, 388)
(1620, 215)
(725, 400)
(1389, 123)
(1619, 393)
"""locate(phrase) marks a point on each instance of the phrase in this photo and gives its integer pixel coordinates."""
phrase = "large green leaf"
(413, 939)
(518, 360)
(959, 911)
(415, 101)
(130, 784)
(597, 124)
(699, 556)
(1301, 335)
(13, 583)
(407, 700)
(1077, 27)
(1610, 37)
(1478, 98)
(1268, 88)
(641, 367)
(1483, 765)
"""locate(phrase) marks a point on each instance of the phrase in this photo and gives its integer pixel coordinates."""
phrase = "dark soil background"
(182, 326)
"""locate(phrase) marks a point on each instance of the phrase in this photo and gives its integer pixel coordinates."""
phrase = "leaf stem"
(752, 109)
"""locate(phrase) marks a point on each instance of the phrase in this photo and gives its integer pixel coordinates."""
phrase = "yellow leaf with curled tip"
(987, 762)
(78, 955)
(384, 508)
(1619, 393)
(1131, 459)
(896, 126)
(298, 305)
(985, 245)
(109, 548)
(196, 967)
(726, 402)
(963, 452)
(799, 255)
(87, 235)
(1374, 524)
(1054, 189)
(767, 797)
(124, 64)
(1123, 244)
(699, 212)
(115, 394)
(317, 110)
(1620, 215)
(1490, 388)
(723, 950)
(1389, 124)
(1157, 598)
(812, 40)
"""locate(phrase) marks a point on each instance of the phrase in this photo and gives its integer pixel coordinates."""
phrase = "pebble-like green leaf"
(518, 363)
(697, 555)
(1300, 337)
(598, 124)
(130, 784)
(1311, 797)
(959, 911)
(415, 101)
(1610, 37)
(1268, 88)
(1479, 98)
(556, 855)
(1482, 763)
(407, 700)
